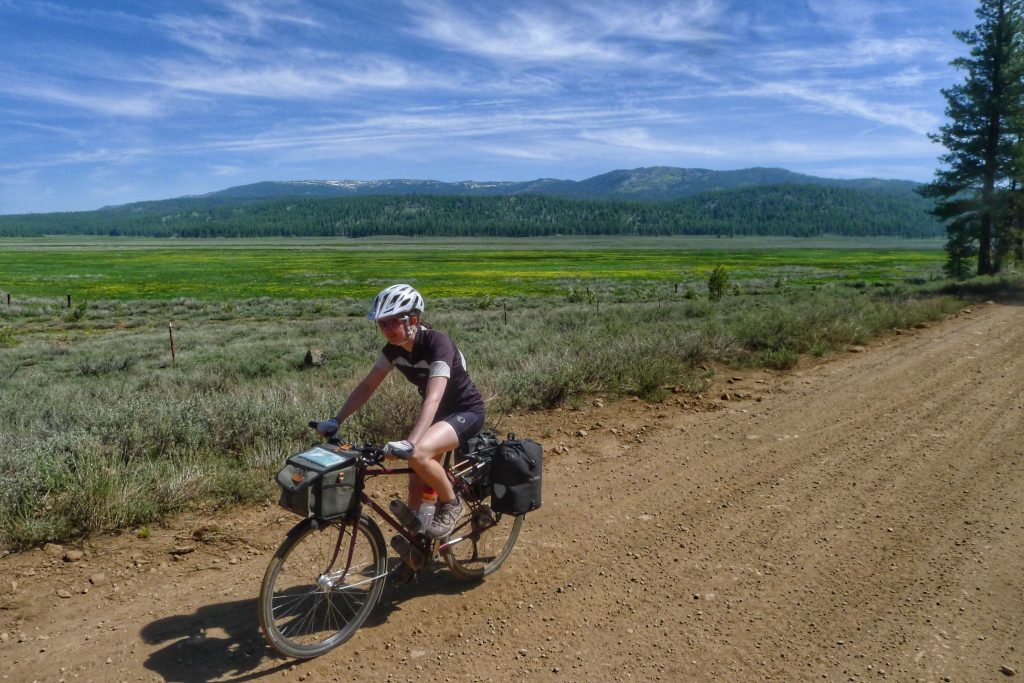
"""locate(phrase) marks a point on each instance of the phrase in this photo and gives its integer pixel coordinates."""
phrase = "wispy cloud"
(909, 117)
(538, 34)
(640, 139)
(21, 120)
(852, 56)
(543, 32)
(101, 18)
(283, 81)
(202, 90)
(853, 16)
(227, 34)
(418, 129)
(72, 159)
(107, 104)
(528, 152)
(849, 149)
(222, 170)
(698, 21)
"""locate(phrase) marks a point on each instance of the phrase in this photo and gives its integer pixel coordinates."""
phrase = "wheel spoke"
(487, 539)
(307, 606)
(285, 605)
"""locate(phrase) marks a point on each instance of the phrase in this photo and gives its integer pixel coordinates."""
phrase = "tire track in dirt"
(862, 521)
(893, 477)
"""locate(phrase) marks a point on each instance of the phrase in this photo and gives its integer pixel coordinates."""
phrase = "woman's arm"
(362, 393)
(435, 391)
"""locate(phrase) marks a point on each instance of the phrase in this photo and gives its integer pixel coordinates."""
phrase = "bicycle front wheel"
(482, 540)
(321, 585)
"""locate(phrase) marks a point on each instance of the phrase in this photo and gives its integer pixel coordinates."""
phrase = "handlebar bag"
(516, 476)
(318, 483)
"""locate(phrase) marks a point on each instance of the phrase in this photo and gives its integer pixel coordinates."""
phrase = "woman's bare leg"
(426, 464)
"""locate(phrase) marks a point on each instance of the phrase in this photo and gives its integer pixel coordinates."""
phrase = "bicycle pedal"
(402, 575)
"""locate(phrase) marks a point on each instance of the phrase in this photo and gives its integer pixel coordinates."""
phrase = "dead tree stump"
(315, 358)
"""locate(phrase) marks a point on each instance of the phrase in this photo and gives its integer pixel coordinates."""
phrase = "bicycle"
(328, 574)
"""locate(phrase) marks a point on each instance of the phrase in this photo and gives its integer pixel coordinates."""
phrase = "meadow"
(308, 268)
(100, 429)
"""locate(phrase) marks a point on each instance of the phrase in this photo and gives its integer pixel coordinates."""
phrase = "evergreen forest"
(777, 210)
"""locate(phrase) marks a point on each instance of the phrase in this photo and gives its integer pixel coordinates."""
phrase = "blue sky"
(112, 102)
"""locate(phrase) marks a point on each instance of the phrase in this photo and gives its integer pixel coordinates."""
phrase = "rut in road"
(862, 520)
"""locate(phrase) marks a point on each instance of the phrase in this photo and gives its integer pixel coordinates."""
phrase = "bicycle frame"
(365, 499)
(422, 543)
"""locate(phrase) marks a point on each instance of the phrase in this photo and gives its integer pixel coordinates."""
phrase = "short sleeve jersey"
(434, 354)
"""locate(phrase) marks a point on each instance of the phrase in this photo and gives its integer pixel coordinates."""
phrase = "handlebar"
(370, 453)
(374, 454)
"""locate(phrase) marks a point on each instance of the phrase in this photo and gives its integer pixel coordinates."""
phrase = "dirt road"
(858, 520)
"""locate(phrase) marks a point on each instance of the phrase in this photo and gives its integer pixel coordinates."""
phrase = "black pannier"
(318, 483)
(482, 443)
(516, 476)
(473, 464)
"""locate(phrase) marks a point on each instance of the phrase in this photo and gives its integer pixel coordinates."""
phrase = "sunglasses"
(387, 323)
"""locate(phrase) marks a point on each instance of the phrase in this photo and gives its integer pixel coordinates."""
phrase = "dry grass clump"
(99, 430)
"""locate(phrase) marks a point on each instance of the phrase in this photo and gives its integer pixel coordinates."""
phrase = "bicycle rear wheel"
(314, 596)
(482, 540)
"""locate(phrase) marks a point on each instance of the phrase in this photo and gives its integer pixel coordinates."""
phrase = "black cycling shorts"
(466, 424)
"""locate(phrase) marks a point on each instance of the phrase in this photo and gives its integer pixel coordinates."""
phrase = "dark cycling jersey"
(434, 354)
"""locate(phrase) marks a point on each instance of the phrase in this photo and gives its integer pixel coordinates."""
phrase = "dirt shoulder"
(859, 519)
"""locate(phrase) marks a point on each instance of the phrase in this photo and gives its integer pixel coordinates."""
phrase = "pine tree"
(982, 139)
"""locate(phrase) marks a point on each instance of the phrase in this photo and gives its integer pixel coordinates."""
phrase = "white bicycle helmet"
(396, 300)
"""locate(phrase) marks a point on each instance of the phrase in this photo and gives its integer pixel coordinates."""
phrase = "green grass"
(133, 269)
(99, 430)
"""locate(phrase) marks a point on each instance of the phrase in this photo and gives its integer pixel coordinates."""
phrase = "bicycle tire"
(481, 542)
(305, 609)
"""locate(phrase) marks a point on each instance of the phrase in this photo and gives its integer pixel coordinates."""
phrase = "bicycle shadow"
(213, 642)
(223, 641)
(435, 580)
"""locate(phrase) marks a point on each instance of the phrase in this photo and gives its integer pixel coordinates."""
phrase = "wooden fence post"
(170, 332)
(504, 313)
(69, 301)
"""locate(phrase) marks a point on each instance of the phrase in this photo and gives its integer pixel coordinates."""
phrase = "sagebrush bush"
(100, 430)
(7, 337)
(778, 358)
(540, 381)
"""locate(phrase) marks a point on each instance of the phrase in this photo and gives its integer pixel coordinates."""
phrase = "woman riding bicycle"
(452, 409)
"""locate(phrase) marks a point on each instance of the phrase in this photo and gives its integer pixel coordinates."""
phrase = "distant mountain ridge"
(648, 183)
(645, 201)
